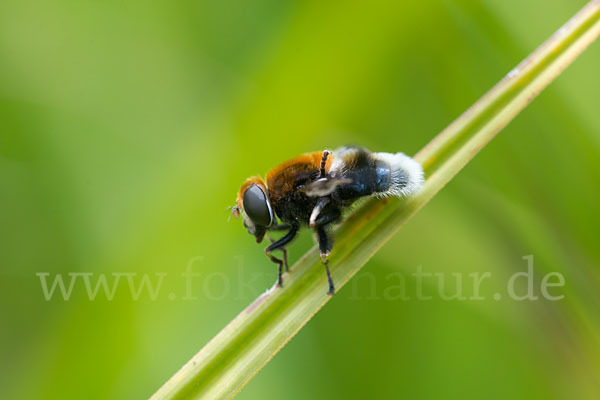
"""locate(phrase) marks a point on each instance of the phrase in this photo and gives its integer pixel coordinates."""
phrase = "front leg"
(279, 244)
(285, 254)
(280, 227)
(279, 262)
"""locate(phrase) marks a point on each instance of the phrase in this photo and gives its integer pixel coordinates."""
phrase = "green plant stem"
(237, 353)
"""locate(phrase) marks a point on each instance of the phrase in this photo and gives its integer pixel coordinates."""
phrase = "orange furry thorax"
(282, 178)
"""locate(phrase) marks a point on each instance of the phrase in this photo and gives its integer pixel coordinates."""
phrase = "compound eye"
(256, 206)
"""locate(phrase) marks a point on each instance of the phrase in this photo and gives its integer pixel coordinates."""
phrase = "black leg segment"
(285, 254)
(280, 227)
(280, 244)
(328, 215)
(279, 262)
(284, 240)
(325, 245)
(323, 163)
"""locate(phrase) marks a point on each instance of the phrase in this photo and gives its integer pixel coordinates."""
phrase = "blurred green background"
(126, 129)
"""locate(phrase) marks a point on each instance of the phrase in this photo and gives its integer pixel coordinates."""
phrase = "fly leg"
(323, 162)
(328, 215)
(285, 254)
(280, 244)
(279, 262)
(325, 244)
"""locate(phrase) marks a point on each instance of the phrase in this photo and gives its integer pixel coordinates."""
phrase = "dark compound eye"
(256, 207)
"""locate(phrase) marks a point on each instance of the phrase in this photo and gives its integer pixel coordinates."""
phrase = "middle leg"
(325, 245)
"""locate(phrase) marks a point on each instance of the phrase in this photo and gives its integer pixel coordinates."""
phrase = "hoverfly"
(314, 188)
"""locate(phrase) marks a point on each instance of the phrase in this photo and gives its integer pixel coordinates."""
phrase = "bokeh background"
(126, 129)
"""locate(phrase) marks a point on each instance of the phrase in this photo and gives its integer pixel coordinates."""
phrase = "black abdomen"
(367, 175)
